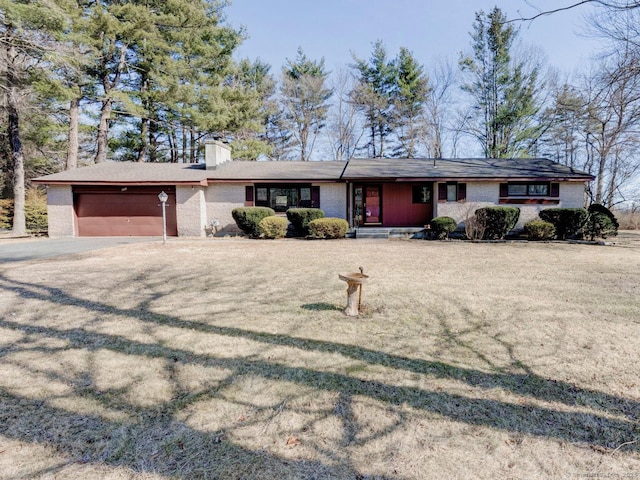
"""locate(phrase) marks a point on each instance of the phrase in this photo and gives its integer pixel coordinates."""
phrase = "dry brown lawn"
(232, 359)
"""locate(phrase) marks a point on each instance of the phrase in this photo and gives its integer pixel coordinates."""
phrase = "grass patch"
(201, 359)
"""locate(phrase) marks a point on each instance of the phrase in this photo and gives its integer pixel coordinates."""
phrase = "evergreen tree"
(373, 96)
(27, 29)
(201, 96)
(409, 100)
(305, 96)
(503, 89)
(250, 142)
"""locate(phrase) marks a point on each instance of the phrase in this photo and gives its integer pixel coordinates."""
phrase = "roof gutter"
(202, 183)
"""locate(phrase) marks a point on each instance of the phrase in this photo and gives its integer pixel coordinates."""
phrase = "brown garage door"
(120, 211)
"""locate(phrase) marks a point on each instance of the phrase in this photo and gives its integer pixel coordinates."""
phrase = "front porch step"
(391, 232)
(372, 233)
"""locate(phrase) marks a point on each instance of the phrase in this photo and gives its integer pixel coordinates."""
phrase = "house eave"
(468, 179)
(202, 183)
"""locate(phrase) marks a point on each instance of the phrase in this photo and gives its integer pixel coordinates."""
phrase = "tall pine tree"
(373, 96)
(409, 99)
(502, 88)
(27, 28)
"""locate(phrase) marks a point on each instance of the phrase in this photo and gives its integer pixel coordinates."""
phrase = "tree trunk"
(153, 142)
(72, 148)
(107, 105)
(192, 145)
(13, 128)
(184, 144)
(144, 142)
(103, 130)
(173, 144)
(144, 122)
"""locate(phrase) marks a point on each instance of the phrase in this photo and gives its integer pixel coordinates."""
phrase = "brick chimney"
(216, 153)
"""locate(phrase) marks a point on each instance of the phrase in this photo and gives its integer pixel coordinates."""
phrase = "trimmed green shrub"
(601, 223)
(300, 218)
(568, 222)
(273, 227)
(443, 226)
(248, 218)
(539, 230)
(497, 222)
(328, 228)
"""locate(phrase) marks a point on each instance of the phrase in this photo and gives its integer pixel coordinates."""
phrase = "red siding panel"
(400, 211)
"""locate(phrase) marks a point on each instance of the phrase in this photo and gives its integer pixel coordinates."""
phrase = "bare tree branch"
(615, 5)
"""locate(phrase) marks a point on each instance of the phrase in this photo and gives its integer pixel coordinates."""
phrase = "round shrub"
(300, 218)
(248, 218)
(568, 222)
(601, 222)
(443, 226)
(497, 222)
(539, 230)
(328, 228)
(273, 227)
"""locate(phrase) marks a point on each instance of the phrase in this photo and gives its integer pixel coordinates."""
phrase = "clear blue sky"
(431, 29)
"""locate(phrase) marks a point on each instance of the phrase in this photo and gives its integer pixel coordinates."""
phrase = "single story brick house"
(121, 198)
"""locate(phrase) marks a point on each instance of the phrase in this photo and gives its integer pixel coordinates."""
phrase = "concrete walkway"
(24, 249)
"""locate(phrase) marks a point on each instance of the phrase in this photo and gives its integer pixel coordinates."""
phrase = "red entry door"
(372, 205)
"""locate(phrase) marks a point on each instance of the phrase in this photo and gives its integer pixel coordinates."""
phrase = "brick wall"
(60, 213)
(191, 210)
(221, 199)
(486, 194)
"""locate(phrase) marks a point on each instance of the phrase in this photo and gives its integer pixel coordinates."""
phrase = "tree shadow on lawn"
(579, 427)
(156, 443)
(322, 307)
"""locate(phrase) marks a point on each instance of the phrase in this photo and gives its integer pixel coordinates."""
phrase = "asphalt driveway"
(24, 249)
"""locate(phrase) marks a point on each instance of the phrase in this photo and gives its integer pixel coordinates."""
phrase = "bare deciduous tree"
(343, 130)
(438, 109)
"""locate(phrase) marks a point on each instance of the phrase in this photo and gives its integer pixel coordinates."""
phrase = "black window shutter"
(462, 192)
(248, 195)
(442, 192)
(315, 197)
(554, 191)
(504, 189)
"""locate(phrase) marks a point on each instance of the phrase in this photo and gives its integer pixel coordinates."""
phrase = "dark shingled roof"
(242, 170)
(129, 172)
(460, 169)
(387, 169)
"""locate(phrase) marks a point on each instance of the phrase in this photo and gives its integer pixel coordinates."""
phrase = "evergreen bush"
(273, 227)
(300, 218)
(601, 223)
(328, 228)
(568, 222)
(443, 226)
(539, 230)
(248, 218)
(497, 222)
